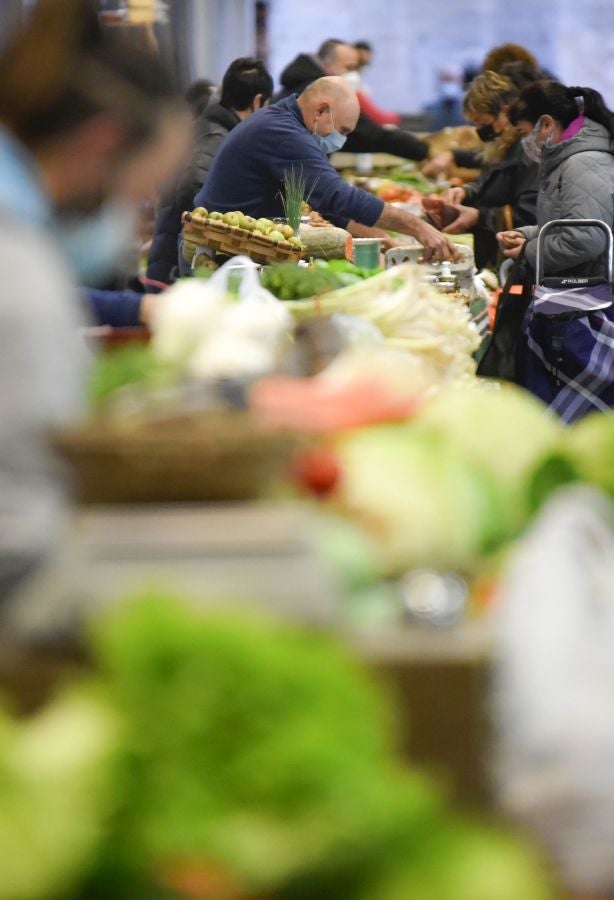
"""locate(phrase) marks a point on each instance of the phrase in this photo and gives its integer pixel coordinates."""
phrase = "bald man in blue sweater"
(298, 133)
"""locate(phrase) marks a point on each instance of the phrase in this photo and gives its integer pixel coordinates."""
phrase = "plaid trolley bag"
(567, 356)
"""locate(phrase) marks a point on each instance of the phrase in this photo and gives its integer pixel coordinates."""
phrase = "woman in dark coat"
(508, 177)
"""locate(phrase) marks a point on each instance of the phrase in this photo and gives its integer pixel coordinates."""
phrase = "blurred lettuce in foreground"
(227, 759)
(57, 792)
(268, 754)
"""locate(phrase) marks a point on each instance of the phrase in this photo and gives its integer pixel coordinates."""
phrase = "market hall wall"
(413, 37)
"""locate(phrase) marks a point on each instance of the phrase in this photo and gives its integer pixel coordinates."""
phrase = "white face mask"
(353, 79)
(532, 146)
(97, 246)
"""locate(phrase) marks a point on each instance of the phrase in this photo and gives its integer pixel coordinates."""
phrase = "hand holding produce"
(454, 195)
(467, 219)
(439, 213)
(511, 243)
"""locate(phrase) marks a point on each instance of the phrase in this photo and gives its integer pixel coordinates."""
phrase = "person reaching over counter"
(298, 133)
(508, 177)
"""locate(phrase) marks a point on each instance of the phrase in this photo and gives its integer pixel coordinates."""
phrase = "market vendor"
(298, 133)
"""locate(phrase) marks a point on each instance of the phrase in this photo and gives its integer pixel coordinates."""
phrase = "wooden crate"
(223, 238)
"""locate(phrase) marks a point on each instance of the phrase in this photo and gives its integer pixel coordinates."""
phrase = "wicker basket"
(215, 457)
(235, 241)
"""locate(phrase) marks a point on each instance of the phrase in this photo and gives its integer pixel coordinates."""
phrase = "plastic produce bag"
(555, 686)
(198, 325)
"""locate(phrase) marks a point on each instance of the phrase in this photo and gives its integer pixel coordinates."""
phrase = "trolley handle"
(570, 281)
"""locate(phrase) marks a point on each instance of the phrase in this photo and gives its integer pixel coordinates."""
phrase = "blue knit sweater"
(248, 172)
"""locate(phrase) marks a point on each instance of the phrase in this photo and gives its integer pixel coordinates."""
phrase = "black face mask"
(486, 133)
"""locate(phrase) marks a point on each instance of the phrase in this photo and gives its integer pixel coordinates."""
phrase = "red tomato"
(317, 470)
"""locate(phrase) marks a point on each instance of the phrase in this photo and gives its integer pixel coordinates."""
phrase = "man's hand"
(468, 218)
(437, 247)
(454, 196)
(511, 243)
(440, 164)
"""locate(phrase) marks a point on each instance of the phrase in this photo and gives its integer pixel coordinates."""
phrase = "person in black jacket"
(339, 58)
(246, 87)
(508, 177)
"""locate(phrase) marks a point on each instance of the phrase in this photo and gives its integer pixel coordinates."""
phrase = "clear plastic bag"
(201, 326)
(553, 703)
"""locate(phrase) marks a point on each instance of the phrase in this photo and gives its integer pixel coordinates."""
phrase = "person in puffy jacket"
(246, 87)
(336, 57)
(566, 356)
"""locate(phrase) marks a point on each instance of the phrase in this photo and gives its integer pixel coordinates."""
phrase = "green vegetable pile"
(412, 179)
(245, 754)
(287, 281)
(456, 483)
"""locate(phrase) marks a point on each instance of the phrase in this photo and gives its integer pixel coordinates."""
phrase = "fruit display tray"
(236, 241)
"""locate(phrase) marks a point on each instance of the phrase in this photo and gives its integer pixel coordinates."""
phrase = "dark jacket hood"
(300, 72)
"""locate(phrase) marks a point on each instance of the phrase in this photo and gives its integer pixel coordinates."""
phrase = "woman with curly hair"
(508, 177)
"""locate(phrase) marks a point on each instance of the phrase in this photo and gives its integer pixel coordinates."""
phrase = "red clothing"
(381, 116)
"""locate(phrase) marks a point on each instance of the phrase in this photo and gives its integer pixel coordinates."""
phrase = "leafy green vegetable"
(506, 434)
(421, 501)
(349, 273)
(287, 281)
(57, 792)
(590, 444)
(412, 179)
(266, 753)
(226, 744)
(131, 364)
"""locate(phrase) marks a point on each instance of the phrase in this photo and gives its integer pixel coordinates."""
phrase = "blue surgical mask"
(330, 143)
(98, 246)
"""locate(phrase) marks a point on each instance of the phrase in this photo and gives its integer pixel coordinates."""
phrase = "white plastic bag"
(554, 698)
(199, 326)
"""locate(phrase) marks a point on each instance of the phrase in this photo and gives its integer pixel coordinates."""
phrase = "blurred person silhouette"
(503, 54)
(336, 57)
(246, 88)
(364, 92)
(87, 126)
(447, 110)
(365, 54)
(198, 95)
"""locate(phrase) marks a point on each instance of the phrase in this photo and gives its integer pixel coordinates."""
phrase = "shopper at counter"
(83, 122)
(508, 178)
(249, 170)
(568, 360)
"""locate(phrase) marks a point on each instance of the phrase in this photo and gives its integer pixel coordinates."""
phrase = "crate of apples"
(235, 233)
